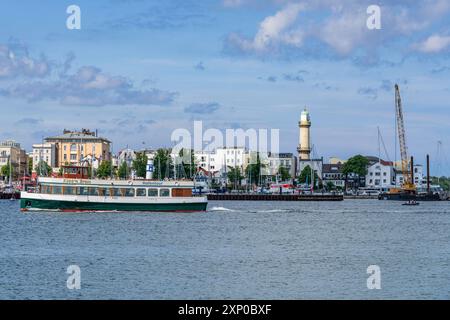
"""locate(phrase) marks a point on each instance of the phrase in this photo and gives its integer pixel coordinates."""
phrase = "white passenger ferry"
(75, 192)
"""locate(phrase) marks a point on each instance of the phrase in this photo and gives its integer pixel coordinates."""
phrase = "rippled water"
(262, 250)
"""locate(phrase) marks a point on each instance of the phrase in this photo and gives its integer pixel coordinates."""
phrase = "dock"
(274, 197)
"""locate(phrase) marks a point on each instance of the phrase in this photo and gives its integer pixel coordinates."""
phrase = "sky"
(137, 70)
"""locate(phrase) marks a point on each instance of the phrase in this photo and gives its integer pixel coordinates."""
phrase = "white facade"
(221, 158)
(11, 150)
(275, 161)
(418, 176)
(380, 175)
(45, 152)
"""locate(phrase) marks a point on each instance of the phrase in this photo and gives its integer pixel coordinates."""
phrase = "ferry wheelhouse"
(76, 192)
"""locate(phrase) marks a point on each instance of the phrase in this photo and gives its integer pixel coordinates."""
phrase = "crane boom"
(408, 184)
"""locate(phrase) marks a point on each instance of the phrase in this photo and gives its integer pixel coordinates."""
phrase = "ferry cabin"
(75, 192)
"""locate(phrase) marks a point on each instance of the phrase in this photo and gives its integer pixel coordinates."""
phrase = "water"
(261, 250)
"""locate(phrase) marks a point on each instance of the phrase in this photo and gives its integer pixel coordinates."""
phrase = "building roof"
(332, 168)
(76, 136)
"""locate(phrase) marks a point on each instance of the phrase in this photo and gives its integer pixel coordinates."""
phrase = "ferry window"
(152, 192)
(164, 192)
(140, 192)
(83, 191)
(116, 192)
(129, 192)
(70, 190)
(101, 192)
(93, 191)
(57, 190)
(45, 189)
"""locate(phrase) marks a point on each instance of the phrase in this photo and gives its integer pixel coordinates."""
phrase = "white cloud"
(273, 30)
(433, 44)
(15, 62)
(343, 33)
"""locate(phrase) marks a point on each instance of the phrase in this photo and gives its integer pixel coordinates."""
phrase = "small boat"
(411, 203)
(75, 192)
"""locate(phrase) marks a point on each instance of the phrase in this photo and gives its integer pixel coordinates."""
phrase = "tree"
(330, 186)
(122, 172)
(162, 164)
(356, 165)
(5, 170)
(30, 165)
(140, 164)
(253, 171)
(444, 182)
(104, 169)
(305, 175)
(234, 175)
(284, 173)
(43, 169)
(187, 166)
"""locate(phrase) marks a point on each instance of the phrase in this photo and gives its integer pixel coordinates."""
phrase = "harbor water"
(235, 250)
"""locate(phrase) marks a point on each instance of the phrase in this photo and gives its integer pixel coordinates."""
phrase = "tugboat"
(75, 192)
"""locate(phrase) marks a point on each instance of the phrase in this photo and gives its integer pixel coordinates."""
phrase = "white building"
(221, 159)
(333, 173)
(418, 176)
(380, 175)
(276, 160)
(11, 150)
(44, 152)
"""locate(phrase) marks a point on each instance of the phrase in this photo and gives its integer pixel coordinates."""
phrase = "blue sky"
(138, 69)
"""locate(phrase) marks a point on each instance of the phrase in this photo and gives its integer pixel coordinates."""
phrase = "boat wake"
(220, 209)
(273, 211)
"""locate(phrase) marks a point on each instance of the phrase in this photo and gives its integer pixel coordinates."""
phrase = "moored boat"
(77, 193)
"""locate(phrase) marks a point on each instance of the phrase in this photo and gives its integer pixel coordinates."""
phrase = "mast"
(379, 156)
(10, 169)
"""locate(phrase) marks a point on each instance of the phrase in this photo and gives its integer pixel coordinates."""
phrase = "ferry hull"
(77, 206)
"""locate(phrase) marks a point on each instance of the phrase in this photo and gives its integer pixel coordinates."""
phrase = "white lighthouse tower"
(304, 146)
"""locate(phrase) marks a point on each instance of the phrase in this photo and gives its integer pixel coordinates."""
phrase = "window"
(129, 192)
(140, 192)
(73, 147)
(65, 147)
(56, 190)
(65, 156)
(70, 190)
(116, 192)
(101, 192)
(164, 192)
(152, 192)
(83, 191)
(93, 191)
(73, 157)
(46, 189)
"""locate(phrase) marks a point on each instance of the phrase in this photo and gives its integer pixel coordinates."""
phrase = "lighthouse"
(304, 146)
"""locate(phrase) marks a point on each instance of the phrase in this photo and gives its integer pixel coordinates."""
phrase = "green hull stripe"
(98, 206)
